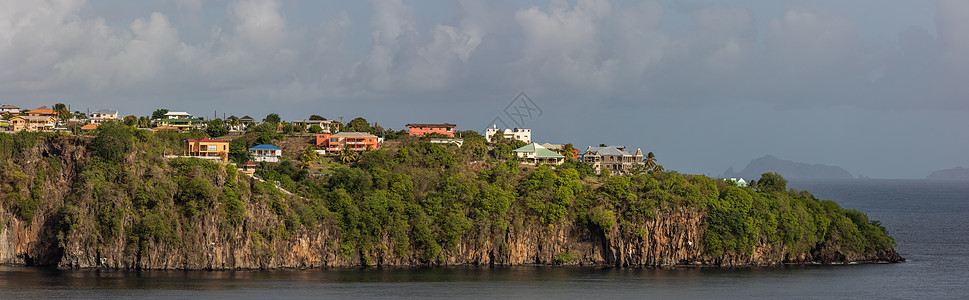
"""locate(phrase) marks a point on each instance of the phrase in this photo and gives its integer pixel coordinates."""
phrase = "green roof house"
(536, 154)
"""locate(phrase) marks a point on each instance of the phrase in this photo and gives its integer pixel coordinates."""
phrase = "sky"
(878, 87)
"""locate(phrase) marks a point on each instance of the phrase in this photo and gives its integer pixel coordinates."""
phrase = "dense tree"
(569, 151)
(317, 117)
(113, 141)
(771, 182)
(159, 114)
(358, 124)
(315, 128)
(216, 128)
(130, 121)
(272, 118)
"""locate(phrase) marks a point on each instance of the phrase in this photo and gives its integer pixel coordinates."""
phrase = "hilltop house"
(266, 152)
(356, 141)
(42, 111)
(613, 158)
(208, 149)
(324, 124)
(105, 114)
(9, 109)
(32, 123)
(536, 154)
(422, 129)
(179, 119)
(247, 121)
(521, 134)
(249, 168)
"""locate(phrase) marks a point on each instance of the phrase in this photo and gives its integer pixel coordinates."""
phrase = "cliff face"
(71, 229)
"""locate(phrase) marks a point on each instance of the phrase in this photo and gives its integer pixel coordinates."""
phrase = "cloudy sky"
(878, 87)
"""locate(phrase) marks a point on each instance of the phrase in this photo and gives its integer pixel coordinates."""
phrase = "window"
(212, 148)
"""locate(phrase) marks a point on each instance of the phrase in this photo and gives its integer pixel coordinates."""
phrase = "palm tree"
(650, 161)
(347, 156)
(233, 121)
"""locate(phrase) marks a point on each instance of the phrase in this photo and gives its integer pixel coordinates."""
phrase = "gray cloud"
(588, 59)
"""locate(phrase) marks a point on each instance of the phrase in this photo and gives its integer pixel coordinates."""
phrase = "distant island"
(957, 173)
(789, 169)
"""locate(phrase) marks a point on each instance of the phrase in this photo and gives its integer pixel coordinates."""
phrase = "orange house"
(422, 129)
(208, 149)
(42, 111)
(356, 141)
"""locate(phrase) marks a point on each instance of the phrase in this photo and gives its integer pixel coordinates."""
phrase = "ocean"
(929, 220)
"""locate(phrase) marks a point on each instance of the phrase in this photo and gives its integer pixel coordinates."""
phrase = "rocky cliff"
(139, 215)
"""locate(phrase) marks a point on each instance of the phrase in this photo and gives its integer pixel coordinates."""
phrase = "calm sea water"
(930, 221)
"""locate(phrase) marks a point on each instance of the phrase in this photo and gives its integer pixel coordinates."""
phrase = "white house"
(177, 115)
(266, 152)
(9, 109)
(521, 134)
(105, 114)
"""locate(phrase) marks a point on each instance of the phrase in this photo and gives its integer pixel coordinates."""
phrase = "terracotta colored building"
(422, 129)
(356, 141)
(208, 149)
(42, 111)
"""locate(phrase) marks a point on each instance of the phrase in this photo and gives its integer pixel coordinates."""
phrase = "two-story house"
(179, 119)
(32, 123)
(101, 115)
(356, 141)
(8, 109)
(422, 129)
(208, 149)
(613, 158)
(521, 134)
(266, 152)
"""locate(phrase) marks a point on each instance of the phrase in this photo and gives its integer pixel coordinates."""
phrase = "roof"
(553, 146)
(608, 150)
(89, 126)
(539, 151)
(165, 128)
(33, 118)
(206, 140)
(8, 106)
(265, 147)
(42, 109)
(249, 163)
(106, 111)
(246, 118)
(177, 113)
(445, 125)
(352, 134)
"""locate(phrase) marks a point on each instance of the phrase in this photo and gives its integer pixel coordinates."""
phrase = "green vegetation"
(410, 199)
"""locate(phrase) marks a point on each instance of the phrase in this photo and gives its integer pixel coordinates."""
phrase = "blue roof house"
(266, 153)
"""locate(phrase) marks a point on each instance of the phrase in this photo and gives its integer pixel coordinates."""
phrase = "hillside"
(787, 168)
(954, 174)
(111, 201)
